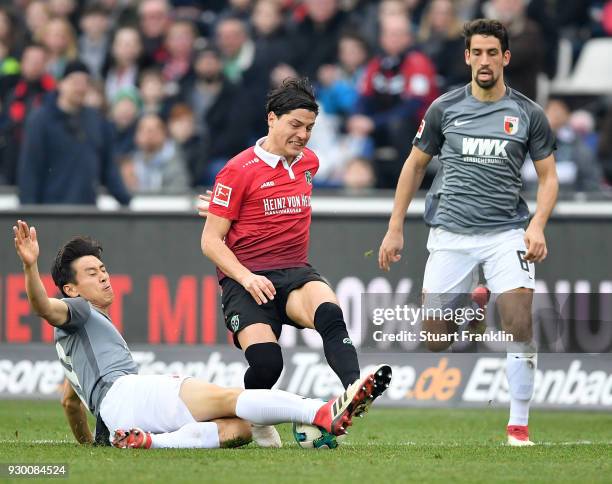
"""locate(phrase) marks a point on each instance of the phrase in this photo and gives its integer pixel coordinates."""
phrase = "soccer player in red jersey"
(257, 234)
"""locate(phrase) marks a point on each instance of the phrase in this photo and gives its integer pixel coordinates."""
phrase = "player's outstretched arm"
(548, 188)
(409, 182)
(26, 245)
(213, 247)
(76, 415)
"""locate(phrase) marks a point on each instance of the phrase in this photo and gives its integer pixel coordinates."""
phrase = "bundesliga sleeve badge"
(222, 195)
(511, 124)
(420, 130)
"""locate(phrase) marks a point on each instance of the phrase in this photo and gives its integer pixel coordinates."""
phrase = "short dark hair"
(483, 26)
(293, 93)
(77, 247)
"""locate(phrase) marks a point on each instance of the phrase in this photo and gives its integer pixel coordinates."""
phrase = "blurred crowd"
(154, 96)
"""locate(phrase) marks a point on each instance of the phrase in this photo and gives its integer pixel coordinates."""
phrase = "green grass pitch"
(387, 446)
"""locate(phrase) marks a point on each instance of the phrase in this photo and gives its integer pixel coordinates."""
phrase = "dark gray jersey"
(482, 147)
(92, 351)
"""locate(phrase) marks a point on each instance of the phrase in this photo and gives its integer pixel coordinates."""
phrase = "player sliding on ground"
(482, 133)
(157, 411)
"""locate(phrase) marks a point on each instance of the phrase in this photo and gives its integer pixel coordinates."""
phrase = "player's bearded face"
(290, 132)
(486, 60)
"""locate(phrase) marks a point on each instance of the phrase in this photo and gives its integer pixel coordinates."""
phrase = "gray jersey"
(92, 351)
(481, 148)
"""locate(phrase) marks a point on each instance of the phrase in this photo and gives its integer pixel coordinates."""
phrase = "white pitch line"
(472, 444)
(42, 441)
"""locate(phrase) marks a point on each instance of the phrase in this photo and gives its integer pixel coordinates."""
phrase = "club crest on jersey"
(308, 176)
(511, 124)
(222, 195)
(235, 323)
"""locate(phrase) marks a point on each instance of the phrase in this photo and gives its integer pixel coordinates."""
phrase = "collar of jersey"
(272, 160)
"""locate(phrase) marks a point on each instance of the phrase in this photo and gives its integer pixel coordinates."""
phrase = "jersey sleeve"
(79, 310)
(228, 193)
(541, 138)
(429, 137)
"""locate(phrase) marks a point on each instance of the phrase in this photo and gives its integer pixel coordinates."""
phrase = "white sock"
(521, 364)
(196, 435)
(269, 407)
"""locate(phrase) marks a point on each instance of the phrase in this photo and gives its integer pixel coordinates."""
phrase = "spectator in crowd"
(338, 87)
(240, 9)
(441, 40)
(604, 150)
(222, 112)
(67, 150)
(95, 97)
(154, 20)
(269, 32)
(67, 9)
(125, 110)
(358, 175)
(125, 61)
(526, 43)
(59, 39)
(94, 41)
(157, 166)
(179, 44)
(182, 129)
(577, 167)
(338, 93)
(315, 39)
(27, 94)
(152, 91)
(237, 49)
(399, 84)
(37, 16)
(10, 42)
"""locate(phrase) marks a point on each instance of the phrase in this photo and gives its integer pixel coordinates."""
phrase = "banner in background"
(166, 292)
(431, 380)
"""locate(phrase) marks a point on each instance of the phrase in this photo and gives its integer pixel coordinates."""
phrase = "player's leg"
(512, 278)
(314, 305)
(225, 432)
(206, 401)
(450, 275)
(253, 328)
(265, 359)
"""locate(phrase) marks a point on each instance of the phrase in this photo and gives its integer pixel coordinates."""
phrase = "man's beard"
(486, 84)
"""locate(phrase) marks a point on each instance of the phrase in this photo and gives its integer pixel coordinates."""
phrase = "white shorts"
(454, 260)
(149, 402)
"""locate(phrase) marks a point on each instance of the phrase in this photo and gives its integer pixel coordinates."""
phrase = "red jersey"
(268, 202)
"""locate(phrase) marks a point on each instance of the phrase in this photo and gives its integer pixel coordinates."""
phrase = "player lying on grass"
(159, 410)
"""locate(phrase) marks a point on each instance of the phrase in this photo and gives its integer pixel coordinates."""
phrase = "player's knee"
(437, 332)
(437, 346)
(518, 325)
(328, 319)
(233, 432)
(265, 365)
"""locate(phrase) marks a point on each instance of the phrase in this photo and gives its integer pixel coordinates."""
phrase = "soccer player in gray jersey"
(482, 134)
(148, 411)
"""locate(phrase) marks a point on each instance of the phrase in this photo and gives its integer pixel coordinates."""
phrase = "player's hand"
(259, 287)
(204, 203)
(390, 249)
(26, 243)
(536, 244)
